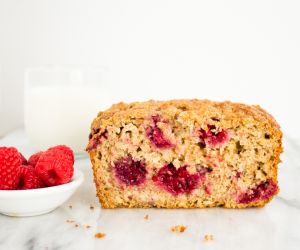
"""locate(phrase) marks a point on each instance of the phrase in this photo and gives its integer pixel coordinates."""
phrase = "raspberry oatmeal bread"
(185, 154)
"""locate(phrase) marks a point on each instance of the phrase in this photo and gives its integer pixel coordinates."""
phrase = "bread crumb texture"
(185, 154)
(208, 237)
(178, 229)
(100, 235)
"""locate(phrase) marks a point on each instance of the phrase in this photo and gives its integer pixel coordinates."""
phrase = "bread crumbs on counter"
(100, 235)
(70, 206)
(92, 207)
(70, 221)
(146, 217)
(178, 229)
(76, 225)
(87, 226)
(208, 237)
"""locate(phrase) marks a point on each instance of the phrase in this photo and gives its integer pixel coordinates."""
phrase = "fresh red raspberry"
(23, 159)
(10, 162)
(28, 178)
(34, 159)
(55, 166)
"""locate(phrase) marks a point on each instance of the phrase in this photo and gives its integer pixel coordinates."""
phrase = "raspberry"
(213, 138)
(156, 136)
(23, 159)
(32, 161)
(177, 181)
(28, 178)
(203, 170)
(208, 188)
(96, 139)
(55, 166)
(130, 171)
(10, 162)
(262, 191)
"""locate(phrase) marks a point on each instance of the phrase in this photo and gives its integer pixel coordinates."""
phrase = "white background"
(247, 51)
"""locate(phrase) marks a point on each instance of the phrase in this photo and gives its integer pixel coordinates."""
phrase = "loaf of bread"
(185, 154)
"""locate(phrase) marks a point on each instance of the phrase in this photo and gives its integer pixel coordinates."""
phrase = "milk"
(62, 114)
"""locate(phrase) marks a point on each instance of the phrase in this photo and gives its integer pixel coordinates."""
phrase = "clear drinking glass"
(60, 104)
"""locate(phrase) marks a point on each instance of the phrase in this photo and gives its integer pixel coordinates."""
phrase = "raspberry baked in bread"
(185, 154)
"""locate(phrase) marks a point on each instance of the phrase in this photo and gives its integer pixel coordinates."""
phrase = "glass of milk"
(60, 104)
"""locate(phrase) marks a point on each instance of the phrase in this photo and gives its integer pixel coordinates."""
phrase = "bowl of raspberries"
(37, 185)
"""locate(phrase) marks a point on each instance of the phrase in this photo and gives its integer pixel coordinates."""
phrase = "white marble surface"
(277, 226)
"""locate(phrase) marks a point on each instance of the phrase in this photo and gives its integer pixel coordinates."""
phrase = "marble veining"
(291, 203)
(274, 227)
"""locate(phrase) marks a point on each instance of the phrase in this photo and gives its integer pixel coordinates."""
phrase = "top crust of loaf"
(139, 110)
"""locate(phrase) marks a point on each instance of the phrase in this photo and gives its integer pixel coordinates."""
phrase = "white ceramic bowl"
(37, 201)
